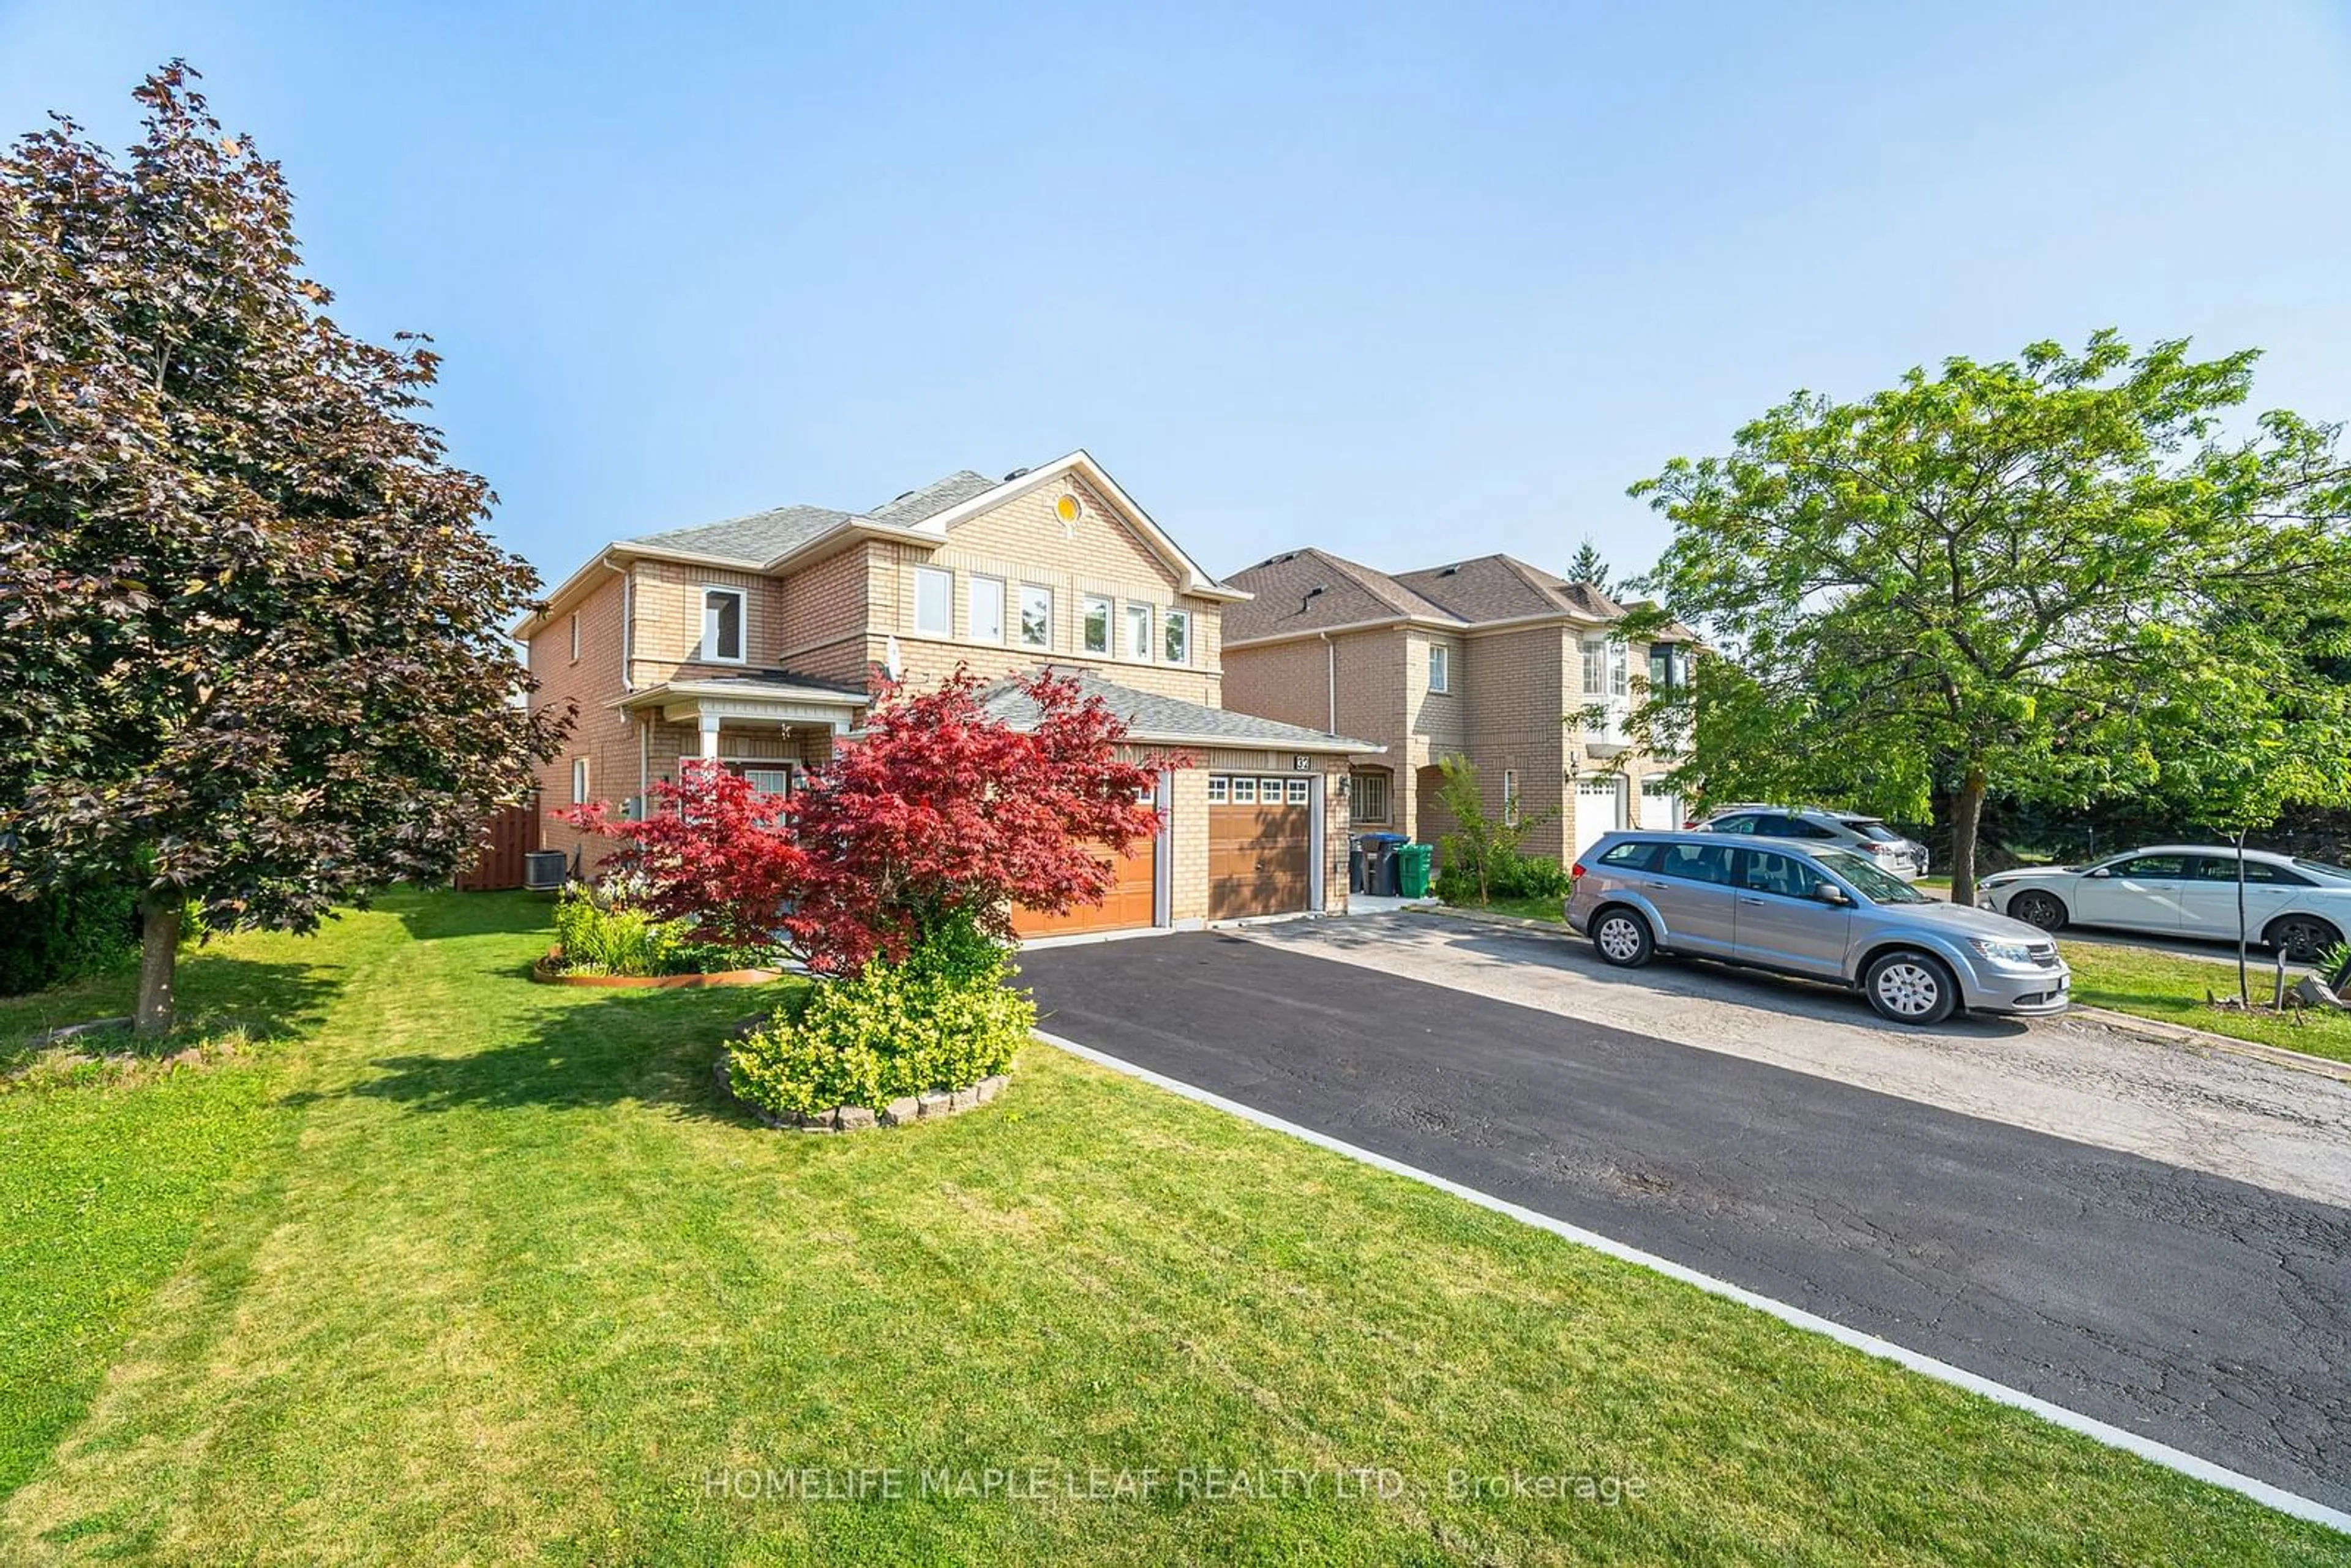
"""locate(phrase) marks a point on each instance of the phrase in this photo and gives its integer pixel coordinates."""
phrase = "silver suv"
(1906, 858)
(1821, 911)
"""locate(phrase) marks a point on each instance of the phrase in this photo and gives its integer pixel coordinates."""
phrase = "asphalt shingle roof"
(1502, 588)
(757, 539)
(1312, 589)
(1151, 716)
(933, 499)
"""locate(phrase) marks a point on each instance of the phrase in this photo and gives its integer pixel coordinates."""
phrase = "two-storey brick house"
(757, 641)
(1489, 659)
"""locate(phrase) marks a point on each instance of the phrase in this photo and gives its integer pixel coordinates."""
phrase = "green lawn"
(1551, 909)
(2161, 986)
(487, 1274)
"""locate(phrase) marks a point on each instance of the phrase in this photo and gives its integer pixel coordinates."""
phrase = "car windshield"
(2322, 868)
(1878, 886)
(1871, 828)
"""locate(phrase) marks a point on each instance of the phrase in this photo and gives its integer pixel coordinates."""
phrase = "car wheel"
(2040, 909)
(1910, 988)
(2302, 937)
(1622, 938)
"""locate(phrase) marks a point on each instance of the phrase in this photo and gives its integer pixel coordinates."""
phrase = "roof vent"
(900, 496)
(1014, 475)
(1449, 572)
(1320, 588)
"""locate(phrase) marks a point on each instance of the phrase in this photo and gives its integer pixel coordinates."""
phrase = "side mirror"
(2102, 871)
(1829, 893)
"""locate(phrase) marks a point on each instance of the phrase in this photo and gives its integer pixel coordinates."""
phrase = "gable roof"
(1170, 721)
(765, 541)
(1314, 590)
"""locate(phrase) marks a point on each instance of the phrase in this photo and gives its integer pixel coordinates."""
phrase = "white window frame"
(1109, 620)
(1510, 796)
(1440, 669)
(1296, 791)
(973, 630)
(1595, 667)
(1243, 791)
(575, 636)
(1216, 789)
(707, 649)
(1176, 629)
(1620, 673)
(579, 780)
(945, 580)
(1021, 628)
(1128, 623)
(1378, 782)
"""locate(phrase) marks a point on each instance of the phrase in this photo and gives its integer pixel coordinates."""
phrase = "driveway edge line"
(2171, 1034)
(2264, 1492)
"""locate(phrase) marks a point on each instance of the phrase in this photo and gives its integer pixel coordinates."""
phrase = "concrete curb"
(2266, 1493)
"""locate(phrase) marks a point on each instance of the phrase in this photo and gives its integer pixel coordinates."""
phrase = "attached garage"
(1260, 845)
(1132, 902)
(1599, 809)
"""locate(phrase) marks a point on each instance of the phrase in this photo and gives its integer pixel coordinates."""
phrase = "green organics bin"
(1412, 869)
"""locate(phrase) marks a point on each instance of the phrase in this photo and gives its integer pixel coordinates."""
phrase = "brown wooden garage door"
(1131, 904)
(1258, 845)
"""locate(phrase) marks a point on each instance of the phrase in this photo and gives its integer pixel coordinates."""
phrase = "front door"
(1258, 845)
(2144, 891)
(1781, 923)
(1692, 890)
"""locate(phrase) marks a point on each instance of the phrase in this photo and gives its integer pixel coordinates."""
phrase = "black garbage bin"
(1356, 864)
(1380, 862)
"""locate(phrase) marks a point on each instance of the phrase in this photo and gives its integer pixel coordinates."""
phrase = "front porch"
(768, 727)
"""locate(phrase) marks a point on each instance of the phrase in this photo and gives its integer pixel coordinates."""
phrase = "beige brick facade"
(834, 617)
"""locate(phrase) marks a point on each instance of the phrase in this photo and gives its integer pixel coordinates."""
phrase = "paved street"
(2208, 1311)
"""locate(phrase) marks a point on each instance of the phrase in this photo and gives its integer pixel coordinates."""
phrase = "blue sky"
(1413, 283)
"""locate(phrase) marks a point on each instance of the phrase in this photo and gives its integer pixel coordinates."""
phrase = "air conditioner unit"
(542, 870)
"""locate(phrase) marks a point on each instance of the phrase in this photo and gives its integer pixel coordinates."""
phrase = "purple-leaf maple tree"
(249, 616)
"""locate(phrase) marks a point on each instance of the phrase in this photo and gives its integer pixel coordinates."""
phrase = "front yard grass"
(498, 1278)
(2163, 986)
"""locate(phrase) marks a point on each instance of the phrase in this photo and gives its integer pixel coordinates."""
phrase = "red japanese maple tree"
(941, 809)
(715, 851)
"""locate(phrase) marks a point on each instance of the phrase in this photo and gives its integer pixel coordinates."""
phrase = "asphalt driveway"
(2209, 1313)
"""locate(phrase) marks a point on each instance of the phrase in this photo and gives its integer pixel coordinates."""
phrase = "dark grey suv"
(1820, 911)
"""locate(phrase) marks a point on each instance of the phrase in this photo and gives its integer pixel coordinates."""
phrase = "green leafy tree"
(2048, 579)
(1587, 566)
(248, 615)
(1482, 843)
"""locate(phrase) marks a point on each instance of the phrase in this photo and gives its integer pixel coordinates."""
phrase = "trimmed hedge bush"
(943, 1019)
(1508, 876)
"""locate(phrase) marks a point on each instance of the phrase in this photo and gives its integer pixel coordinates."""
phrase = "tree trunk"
(1967, 811)
(159, 958)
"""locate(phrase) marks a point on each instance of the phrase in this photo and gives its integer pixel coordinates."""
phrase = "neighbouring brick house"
(1482, 659)
(755, 643)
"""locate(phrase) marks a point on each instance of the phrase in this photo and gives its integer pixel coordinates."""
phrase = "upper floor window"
(1595, 667)
(575, 636)
(1175, 636)
(987, 610)
(1036, 616)
(722, 626)
(1440, 667)
(1138, 632)
(1619, 674)
(1667, 667)
(1095, 615)
(933, 602)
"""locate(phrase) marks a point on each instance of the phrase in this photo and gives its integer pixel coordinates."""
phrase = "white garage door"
(1599, 809)
(1661, 808)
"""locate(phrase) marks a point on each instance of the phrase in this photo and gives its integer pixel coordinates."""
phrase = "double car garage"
(1261, 836)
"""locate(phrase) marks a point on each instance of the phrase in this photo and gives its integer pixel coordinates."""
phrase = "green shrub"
(62, 936)
(1508, 874)
(943, 1019)
(600, 937)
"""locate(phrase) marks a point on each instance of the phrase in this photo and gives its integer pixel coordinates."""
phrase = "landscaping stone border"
(545, 974)
(927, 1107)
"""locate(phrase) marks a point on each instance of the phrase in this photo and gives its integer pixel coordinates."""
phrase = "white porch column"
(709, 737)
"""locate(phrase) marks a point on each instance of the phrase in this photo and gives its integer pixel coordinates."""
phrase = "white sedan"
(2185, 890)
